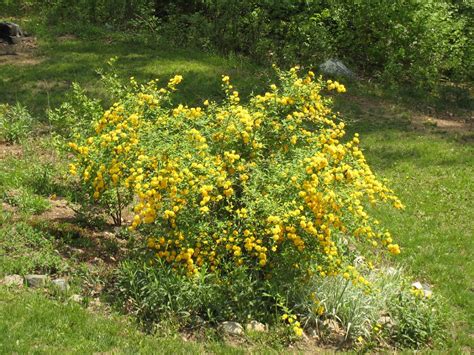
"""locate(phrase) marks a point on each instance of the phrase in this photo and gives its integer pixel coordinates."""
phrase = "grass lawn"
(432, 174)
(31, 323)
(39, 78)
(430, 170)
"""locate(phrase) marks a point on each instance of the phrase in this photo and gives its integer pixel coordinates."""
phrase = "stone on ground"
(232, 328)
(60, 284)
(337, 68)
(12, 280)
(36, 281)
(76, 298)
(255, 326)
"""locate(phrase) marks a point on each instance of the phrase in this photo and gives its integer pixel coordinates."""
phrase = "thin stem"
(118, 222)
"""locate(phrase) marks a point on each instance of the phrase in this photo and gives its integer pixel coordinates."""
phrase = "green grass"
(61, 62)
(433, 177)
(31, 323)
(24, 250)
(430, 170)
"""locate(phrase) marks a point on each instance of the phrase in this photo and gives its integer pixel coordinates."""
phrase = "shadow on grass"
(44, 84)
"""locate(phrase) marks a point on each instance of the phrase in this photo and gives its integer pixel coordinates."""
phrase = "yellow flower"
(394, 249)
(298, 331)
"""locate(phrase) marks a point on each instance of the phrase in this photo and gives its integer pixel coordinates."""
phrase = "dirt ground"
(24, 53)
(462, 122)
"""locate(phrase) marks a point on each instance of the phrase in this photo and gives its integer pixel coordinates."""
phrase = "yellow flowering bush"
(272, 185)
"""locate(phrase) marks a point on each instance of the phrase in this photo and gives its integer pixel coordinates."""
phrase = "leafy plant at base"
(395, 313)
(156, 293)
(418, 320)
(271, 186)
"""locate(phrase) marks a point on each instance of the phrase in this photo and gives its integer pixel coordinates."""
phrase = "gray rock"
(337, 68)
(94, 304)
(76, 298)
(36, 281)
(12, 280)
(232, 328)
(427, 290)
(10, 32)
(386, 322)
(428, 293)
(60, 284)
(255, 326)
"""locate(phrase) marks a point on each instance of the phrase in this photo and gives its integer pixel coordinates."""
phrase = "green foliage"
(15, 123)
(157, 294)
(23, 249)
(27, 202)
(160, 297)
(75, 114)
(283, 32)
(93, 11)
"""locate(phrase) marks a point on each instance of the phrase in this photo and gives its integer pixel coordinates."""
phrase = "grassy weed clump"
(394, 314)
(30, 177)
(15, 123)
(27, 202)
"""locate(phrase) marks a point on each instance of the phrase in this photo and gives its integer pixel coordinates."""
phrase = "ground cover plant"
(428, 168)
(15, 123)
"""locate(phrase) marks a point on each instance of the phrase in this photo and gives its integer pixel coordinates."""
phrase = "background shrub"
(414, 42)
(402, 42)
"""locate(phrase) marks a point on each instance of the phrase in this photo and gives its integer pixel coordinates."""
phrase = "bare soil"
(459, 122)
(23, 53)
(10, 150)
